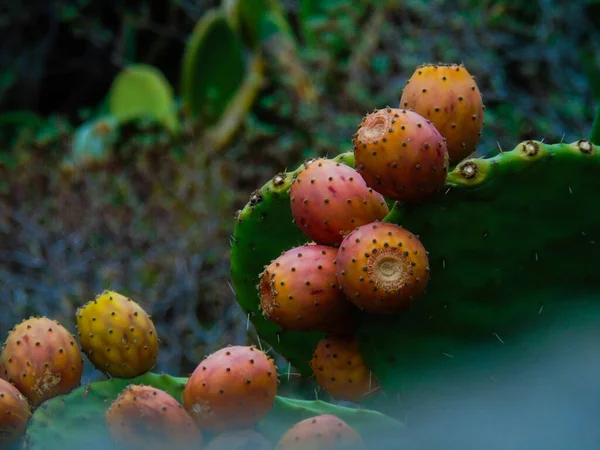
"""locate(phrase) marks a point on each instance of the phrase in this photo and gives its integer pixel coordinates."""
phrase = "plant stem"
(595, 134)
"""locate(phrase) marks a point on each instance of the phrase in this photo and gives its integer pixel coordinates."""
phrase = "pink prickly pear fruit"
(329, 199)
(447, 95)
(239, 440)
(322, 432)
(143, 417)
(382, 268)
(400, 154)
(42, 359)
(233, 388)
(14, 414)
(340, 369)
(299, 292)
(117, 335)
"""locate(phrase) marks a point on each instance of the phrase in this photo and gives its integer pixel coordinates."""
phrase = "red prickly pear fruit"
(340, 369)
(322, 432)
(143, 417)
(239, 440)
(401, 155)
(299, 292)
(41, 358)
(447, 95)
(14, 414)
(382, 268)
(233, 388)
(117, 335)
(329, 199)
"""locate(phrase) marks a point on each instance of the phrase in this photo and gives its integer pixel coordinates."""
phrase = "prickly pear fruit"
(233, 388)
(322, 432)
(14, 414)
(143, 417)
(117, 335)
(329, 199)
(42, 359)
(400, 154)
(447, 95)
(382, 268)
(299, 291)
(239, 440)
(340, 369)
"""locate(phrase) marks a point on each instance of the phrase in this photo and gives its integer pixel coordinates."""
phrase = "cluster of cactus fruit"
(330, 264)
(355, 263)
(230, 391)
(349, 276)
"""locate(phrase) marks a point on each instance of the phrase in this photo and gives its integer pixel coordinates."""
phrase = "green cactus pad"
(256, 20)
(512, 245)
(143, 91)
(93, 142)
(76, 420)
(264, 230)
(507, 237)
(213, 68)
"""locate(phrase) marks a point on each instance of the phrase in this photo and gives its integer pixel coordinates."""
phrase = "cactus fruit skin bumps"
(299, 291)
(239, 440)
(322, 432)
(42, 359)
(329, 199)
(144, 417)
(382, 268)
(339, 368)
(401, 154)
(232, 388)
(117, 335)
(14, 414)
(447, 95)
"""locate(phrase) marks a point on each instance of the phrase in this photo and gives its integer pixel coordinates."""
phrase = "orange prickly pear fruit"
(42, 359)
(447, 95)
(14, 414)
(233, 388)
(382, 268)
(329, 199)
(400, 154)
(143, 417)
(117, 335)
(340, 369)
(299, 291)
(322, 432)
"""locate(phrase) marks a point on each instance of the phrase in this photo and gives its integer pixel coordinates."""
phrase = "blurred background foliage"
(130, 132)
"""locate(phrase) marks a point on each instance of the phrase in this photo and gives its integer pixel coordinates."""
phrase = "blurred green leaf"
(143, 91)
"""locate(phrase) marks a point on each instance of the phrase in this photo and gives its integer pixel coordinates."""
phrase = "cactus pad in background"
(213, 68)
(511, 242)
(143, 91)
(76, 421)
(93, 143)
(254, 19)
(218, 84)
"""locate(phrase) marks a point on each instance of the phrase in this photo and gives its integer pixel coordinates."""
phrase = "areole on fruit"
(382, 268)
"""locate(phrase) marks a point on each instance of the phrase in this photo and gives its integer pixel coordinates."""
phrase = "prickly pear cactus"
(76, 421)
(143, 91)
(512, 244)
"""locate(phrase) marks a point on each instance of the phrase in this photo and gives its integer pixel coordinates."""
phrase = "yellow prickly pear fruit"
(447, 95)
(117, 335)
